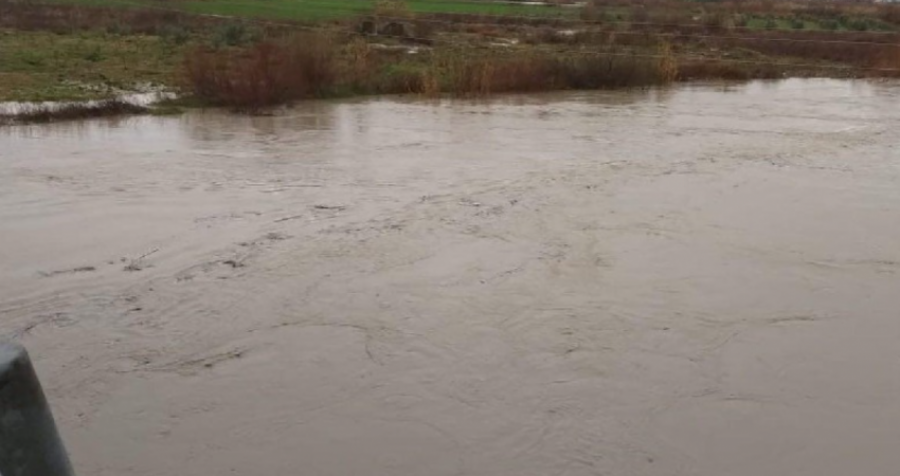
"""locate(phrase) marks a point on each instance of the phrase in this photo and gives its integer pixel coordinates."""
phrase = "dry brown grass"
(468, 73)
(264, 75)
(851, 48)
(715, 69)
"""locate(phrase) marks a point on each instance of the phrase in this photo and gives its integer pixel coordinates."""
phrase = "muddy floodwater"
(703, 280)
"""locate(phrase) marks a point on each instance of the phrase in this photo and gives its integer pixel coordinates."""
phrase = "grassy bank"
(45, 66)
(76, 51)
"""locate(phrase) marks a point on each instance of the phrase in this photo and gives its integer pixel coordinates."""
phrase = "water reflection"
(328, 130)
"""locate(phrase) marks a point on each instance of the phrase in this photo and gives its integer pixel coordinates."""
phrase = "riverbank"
(71, 52)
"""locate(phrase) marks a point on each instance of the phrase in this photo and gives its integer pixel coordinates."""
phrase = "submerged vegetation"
(92, 49)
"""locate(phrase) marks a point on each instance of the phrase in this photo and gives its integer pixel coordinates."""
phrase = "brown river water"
(703, 280)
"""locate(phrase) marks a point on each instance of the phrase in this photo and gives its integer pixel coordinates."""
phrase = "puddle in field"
(694, 281)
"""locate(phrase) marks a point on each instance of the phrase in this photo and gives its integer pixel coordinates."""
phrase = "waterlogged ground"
(697, 281)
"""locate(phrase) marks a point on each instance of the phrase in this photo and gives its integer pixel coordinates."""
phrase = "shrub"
(264, 75)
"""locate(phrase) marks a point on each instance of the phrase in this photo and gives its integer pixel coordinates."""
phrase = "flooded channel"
(700, 280)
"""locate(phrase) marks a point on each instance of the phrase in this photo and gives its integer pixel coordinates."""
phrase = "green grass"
(43, 66)
(323, 10)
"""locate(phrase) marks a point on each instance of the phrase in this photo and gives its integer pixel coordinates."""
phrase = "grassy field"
(323, 10)
(44, 66)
